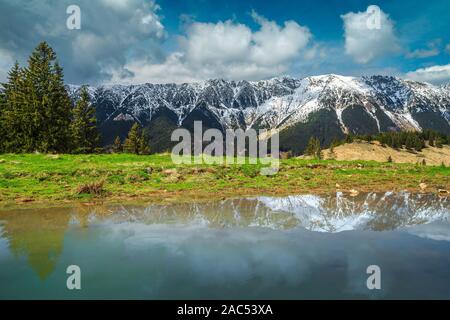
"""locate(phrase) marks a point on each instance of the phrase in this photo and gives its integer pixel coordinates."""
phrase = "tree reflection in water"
(38, 234)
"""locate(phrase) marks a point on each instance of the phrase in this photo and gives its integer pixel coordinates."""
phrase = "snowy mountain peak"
(352, 104)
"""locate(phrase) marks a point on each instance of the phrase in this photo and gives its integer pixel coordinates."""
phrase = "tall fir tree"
(47, 102)
(117, 146)
(59, 113)
(136, 142)
(132, 142)
(85, 136)
(335, 143)
(12, 119)
(36, 108)
(2, 122)
(2, 129)
(8, 101)
(144, 148)
(313, 148)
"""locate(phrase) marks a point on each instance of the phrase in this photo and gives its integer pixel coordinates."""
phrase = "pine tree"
(310, 147)
(11, 113)
(349, 138)
(144, 148)
(132, 142)
(409, 143)
(396, 141)
(38, 102)
(335, 143)
(85, 136)
(136, 142)
(2, 128)
(60, 112)
(117, 146)
(313, 148)
(418, 143)
(36, 107)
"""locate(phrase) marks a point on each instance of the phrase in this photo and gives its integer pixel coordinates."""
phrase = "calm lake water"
(296, 247)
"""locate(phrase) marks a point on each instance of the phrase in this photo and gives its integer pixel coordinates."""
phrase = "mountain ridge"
(328, 106)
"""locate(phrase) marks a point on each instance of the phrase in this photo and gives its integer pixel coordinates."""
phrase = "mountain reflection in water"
(39, 235)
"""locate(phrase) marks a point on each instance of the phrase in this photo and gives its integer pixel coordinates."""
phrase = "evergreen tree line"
(410, 140)
(136, 142)
(37, 114)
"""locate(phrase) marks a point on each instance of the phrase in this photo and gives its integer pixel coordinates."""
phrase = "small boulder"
(170, 171)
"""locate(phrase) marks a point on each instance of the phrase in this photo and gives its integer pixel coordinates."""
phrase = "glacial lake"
(296, 247)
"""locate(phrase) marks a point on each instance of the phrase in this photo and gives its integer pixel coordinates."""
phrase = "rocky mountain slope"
(326, 106)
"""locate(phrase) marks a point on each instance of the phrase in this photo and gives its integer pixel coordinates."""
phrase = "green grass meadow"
(56, 178)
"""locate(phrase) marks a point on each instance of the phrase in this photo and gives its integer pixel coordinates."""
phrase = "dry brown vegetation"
(92, 188)
(373, 151)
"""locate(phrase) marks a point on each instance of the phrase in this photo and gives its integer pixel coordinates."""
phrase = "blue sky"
(135, 41)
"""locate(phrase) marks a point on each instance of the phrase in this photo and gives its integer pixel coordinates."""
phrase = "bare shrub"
(93, 188)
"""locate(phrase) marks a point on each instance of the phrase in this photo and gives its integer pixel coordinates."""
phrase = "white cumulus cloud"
(228, 50)
(369, 35)
(439, 74)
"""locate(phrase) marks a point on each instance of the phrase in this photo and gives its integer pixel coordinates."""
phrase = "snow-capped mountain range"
(323, 213)
(327, 105)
